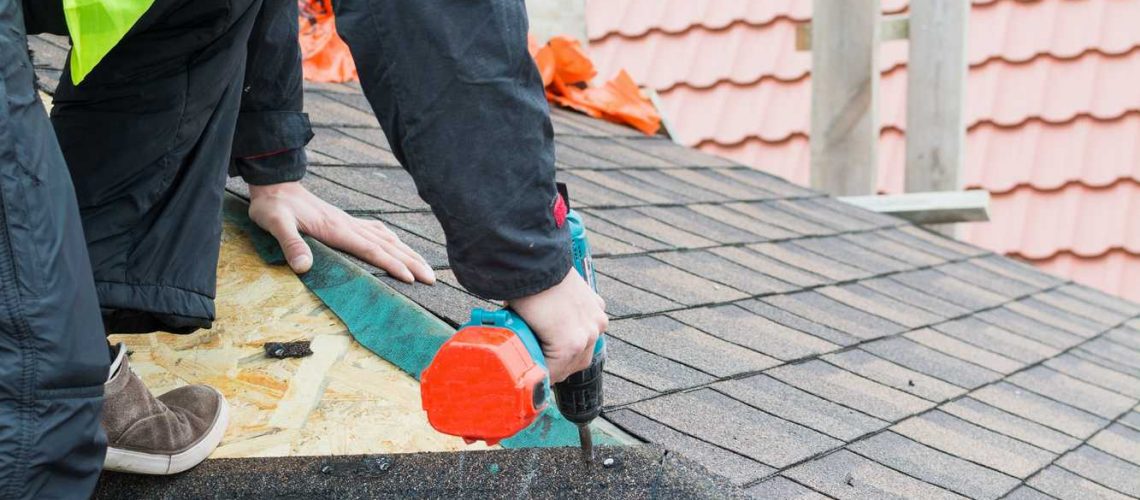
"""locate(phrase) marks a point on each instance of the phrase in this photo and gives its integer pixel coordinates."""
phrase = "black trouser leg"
(147, 136)
(51, 337)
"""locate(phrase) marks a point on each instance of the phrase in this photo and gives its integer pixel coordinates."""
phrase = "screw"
(607, 463)
(279, 352)
(326, 469)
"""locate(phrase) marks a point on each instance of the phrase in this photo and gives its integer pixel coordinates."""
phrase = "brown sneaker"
(164, 435)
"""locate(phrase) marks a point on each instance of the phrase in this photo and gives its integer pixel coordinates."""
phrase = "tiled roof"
(791, 343)
(1050, 101)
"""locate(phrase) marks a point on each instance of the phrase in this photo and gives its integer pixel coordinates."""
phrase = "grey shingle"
(324, 110)
(962, 439)
(1103, 468)
(767, 182)
(586, 193)
(875, 241)
(1101, 299)
(769, 266)
(1003, 422)
(674, 340)
(566, 157)
(953, 347)
(721, 420)
(1132, 419)
(1096, 374)
(782, 488)
(602, 245)
(837, 248)
(970, 272)
(900, 292)
(931, 362)
(650, 370)
(612, 151)
(933, 466)
(870, 217)
(1125, 336)
(1056, 385)
(603, 227)
(423, 224)
(848, 389)
(1111, 355)
(762, 229)
(923, 244)
(369, 135)
(653, 228)
(629, 186)
(349, 149)
(673, 153)
(1057, 318)
(828, 312)
(1040, 409)
(986, 335)
(682, 190)
(651, 274)
(619, 391)
(1084, 309)
(866, 299)
(1120, 441)
(393, 185)
(846, 475)
(1009, 320)
(1026, 493)
(442, 299)
(890, 374)
(737, 468)
(711, 266)
(743, 327)
(345, 198)
(624, 300)
(942, 241)
(817, 211)
(1014, 269)
(1061, 483)
(770, 214)
(949, 288)
(705, 179)
(810, 262)
(785, 401)
(798, 323)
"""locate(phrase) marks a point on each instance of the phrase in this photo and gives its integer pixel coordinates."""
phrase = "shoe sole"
(161, 464)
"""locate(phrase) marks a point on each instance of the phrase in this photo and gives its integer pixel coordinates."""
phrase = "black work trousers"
(52, 361)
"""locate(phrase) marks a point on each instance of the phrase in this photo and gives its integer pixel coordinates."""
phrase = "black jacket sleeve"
(463, 106)
(269, 142)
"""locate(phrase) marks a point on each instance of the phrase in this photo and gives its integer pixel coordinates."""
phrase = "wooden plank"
(844, 104)
(929, 208)
(936, 91)
(892, 27)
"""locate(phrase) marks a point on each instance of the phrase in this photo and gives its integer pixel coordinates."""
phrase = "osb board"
(341, 400)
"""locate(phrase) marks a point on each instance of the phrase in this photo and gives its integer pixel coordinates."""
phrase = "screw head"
(607, 463)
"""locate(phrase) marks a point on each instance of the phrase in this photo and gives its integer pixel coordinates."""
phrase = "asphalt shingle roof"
(794, 344)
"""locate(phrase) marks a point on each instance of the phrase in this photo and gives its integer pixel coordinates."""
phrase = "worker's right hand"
(567, 318)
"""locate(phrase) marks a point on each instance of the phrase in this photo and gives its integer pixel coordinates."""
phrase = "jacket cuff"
(287, 166)
(269, 146)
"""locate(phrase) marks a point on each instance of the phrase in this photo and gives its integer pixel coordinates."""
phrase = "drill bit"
(587, 442)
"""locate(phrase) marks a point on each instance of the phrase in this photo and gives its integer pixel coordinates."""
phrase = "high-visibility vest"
(96, 26)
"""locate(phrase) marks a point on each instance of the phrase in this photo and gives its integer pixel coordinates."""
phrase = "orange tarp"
(565, 68)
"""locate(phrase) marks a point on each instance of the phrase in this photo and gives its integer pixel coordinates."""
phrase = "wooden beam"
(929, 208)
(936, 92)
(892, 27)
(844, 104)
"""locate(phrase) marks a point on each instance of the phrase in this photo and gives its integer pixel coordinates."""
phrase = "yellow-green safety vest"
(96, 26)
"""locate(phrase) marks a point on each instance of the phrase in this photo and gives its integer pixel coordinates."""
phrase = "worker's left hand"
(287, 209)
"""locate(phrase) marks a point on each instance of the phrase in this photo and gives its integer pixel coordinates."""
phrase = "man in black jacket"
(195, 87)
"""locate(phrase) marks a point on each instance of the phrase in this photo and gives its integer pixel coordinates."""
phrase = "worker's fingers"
(284, 228)
(382, 230)
(370, 251)
(419, 268)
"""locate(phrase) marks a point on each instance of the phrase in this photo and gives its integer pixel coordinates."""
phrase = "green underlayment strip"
(391, 325)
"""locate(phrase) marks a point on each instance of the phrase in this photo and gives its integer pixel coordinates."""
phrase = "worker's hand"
(287, 209)
(567, 318)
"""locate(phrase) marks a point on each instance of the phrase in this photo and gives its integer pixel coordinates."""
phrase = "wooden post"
(844, 102)
(936, 90)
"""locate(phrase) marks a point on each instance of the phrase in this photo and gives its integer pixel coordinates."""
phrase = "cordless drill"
(489, 381)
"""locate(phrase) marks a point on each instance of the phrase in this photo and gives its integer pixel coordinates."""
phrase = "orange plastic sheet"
(566, 72)
(324, 56)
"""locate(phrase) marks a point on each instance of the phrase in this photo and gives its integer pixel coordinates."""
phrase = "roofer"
(148, 133)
